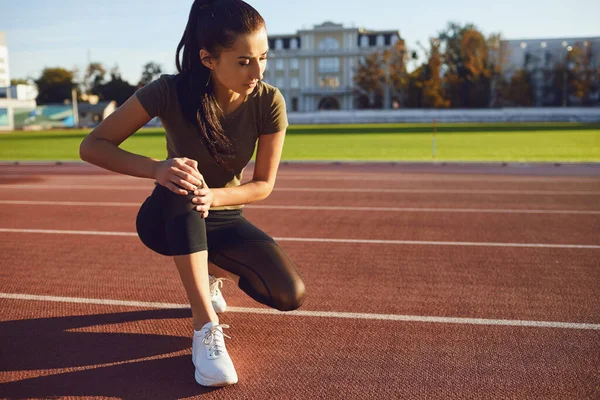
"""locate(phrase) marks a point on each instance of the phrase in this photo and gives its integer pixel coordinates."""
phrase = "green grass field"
(517, 142)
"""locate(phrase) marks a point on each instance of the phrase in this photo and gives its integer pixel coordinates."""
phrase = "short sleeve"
(154, 96)
(275, 119)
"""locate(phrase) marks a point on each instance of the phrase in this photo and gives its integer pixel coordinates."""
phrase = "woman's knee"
(290, 298)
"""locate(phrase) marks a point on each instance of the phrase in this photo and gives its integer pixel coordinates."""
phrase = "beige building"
(314, 69)
(4, 75)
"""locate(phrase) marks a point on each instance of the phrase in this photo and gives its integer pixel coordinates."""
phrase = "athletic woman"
(214, 111)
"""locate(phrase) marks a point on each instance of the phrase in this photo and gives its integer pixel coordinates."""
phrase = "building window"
(294, 82)
(329, 64)
(294, 44)
(380, 40)
(279, 64)
(394, 40)
(329, 43)
(295, 104)
(4, 117)
(278, 44)
(329, 82)
(364, 41)
(294, 64)
(279, 82)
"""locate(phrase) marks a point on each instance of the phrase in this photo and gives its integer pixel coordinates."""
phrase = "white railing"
(570, 114)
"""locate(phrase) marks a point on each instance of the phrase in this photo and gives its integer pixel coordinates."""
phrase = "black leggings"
(168, 224)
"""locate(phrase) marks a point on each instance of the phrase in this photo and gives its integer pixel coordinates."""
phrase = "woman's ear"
(206, 59)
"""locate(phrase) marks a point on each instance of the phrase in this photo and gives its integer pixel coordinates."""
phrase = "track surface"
(424, 281)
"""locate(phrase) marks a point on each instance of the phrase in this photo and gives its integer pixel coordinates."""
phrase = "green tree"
(14, 82)
(150, 72)
(54, 85)
(94, 76)
(116, 89)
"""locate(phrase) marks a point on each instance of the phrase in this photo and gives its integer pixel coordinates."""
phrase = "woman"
(214, 111)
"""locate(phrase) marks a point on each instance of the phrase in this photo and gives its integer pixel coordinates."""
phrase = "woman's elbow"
(84, 149)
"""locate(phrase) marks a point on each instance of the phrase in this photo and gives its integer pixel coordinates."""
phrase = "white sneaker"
(216, 297)
(209, 355)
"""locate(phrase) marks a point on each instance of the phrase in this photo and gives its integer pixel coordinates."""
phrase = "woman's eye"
(262, 59)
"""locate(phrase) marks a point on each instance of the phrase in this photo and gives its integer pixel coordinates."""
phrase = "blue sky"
(129, 33)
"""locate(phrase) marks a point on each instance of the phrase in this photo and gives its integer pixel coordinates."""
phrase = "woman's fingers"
(192, 174)
(191, 182)
(182, 183)
(176, 189)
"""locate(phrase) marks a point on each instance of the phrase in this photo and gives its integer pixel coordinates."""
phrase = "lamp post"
(566, 66)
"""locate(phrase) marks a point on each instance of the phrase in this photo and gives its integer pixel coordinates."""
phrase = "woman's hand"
(180, 175)
(203, 199)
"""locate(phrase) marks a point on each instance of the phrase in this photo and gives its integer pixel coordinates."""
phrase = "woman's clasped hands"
(181, 176)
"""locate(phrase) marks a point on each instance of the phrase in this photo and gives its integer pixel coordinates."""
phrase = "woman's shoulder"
(263, 89)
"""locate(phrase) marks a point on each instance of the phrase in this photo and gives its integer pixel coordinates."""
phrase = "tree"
(582, 74)
(150, 72)
(14, 82)
(465, 56)
(368, 81)
(433, 91)
(396, 75)
(116, 89)
(94, 76)
(518, 91)
(54, 85)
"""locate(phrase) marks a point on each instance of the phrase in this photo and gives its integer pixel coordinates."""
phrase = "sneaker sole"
(206, 382)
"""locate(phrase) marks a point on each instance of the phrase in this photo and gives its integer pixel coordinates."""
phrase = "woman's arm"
(260, 187)
(101, 148)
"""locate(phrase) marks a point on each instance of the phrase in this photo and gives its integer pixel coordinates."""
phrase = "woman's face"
(242, 66)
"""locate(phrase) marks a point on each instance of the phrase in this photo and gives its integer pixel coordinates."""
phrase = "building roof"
(93, 108)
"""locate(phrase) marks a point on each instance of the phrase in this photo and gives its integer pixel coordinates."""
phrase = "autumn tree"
(368, 80)
(465, 57)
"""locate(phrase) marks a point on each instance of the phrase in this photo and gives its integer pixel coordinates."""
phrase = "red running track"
(492, 297)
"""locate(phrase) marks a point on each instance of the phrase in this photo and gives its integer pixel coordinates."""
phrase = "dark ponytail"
(213, 25)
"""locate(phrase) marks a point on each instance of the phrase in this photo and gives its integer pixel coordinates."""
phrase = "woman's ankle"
(200, 323)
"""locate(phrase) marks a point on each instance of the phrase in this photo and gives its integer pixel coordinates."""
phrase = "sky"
(130, 33)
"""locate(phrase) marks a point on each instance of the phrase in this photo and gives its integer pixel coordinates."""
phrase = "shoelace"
(214, 339)
(215, 286)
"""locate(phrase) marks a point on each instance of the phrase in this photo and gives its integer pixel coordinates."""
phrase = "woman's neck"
(227, 99)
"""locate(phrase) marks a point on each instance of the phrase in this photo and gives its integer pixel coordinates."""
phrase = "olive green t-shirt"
(263, 112)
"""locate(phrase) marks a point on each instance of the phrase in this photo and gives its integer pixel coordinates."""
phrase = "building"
(4, 73)
(314, 69)
(91, 114)
(541, 55)
(14, 100)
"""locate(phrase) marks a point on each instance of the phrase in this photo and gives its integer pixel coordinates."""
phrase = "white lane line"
(313, 208)
(325, 314)
(406, 177)
(327, 190)
(322, 240)
(398, 177)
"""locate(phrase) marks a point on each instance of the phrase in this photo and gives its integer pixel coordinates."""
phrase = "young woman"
(214, 111)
